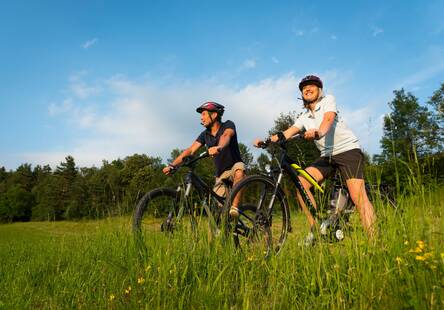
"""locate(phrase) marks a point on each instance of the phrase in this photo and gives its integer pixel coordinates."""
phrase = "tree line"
(412, 143)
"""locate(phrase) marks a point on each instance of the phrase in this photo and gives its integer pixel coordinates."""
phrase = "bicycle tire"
(256, 230)
(160, 210)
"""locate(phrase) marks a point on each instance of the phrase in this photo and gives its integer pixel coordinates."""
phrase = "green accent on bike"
(307, 177)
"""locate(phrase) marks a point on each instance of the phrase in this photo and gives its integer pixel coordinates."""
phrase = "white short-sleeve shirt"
(338, 139)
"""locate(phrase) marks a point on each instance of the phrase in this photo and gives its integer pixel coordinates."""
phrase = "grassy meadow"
(97, 264)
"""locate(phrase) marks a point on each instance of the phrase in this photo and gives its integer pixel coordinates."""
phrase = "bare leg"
(358, 194)
(239, 174)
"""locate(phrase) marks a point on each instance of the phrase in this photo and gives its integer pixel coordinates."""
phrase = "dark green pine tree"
(70, 196)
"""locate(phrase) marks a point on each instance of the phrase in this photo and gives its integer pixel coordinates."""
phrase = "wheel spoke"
(263, 222)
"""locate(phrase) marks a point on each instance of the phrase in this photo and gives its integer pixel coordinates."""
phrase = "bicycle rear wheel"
(162, 209)
(262, 225)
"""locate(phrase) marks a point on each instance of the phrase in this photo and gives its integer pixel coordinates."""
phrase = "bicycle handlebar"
(188, 161)
(281, 142)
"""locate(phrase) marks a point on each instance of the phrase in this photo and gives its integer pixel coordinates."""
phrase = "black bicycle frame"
(192, 179)
(202, 188)
(285, 163)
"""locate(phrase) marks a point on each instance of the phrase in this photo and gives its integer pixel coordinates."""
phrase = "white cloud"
(56, 109)
(428, 71)
(248, 64)
(299, 33)
(79, 87)
(145, 117)
(366, 124)
(304, 32)
(154, 118)
(377, 31)
(89, 43)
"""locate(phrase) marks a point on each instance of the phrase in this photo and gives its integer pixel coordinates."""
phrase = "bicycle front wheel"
(264, 217)
(162, 209)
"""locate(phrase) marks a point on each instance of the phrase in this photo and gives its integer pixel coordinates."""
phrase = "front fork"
(266, 220)
(182, 205)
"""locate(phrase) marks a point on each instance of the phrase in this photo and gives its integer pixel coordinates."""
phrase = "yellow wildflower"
(428, 255)
(398, 260)
(421, 244)
(112, 297)
(128, 290)
(140, 280)
(421, 258)
(416, 250)
(406, 242)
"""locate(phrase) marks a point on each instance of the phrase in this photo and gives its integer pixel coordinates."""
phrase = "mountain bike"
(182, 208)
(271, 221)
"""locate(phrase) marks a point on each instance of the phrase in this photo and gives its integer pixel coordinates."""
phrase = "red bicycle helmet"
(211, 107)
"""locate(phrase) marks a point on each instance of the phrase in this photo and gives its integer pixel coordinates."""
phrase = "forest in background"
(412, 145)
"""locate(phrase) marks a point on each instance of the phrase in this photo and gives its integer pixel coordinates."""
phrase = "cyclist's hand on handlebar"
(274, 138)
(261, 143)
(258, 142)
(168, 170)
(214, 150)
(311, 134)
(264, 143)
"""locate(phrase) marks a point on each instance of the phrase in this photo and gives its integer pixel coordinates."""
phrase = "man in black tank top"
(221, 140)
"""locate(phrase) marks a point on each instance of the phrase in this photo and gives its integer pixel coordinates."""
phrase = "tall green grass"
(99, 264)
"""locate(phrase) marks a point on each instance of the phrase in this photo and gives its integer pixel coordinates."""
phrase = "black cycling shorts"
(349, 163)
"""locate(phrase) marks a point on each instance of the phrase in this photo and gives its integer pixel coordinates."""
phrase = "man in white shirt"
(339, 149)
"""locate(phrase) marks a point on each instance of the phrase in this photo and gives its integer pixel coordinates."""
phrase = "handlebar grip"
(264, 144)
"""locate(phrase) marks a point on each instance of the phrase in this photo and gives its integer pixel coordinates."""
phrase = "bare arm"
(327, 122)
(179, 159)
(290, 132)
(223, 142)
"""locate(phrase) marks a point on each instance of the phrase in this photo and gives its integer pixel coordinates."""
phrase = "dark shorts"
(349, 163)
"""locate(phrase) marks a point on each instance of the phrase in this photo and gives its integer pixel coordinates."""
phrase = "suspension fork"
(273, 196)
(183, 201)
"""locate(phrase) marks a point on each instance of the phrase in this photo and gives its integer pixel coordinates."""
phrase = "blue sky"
(106, 79)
